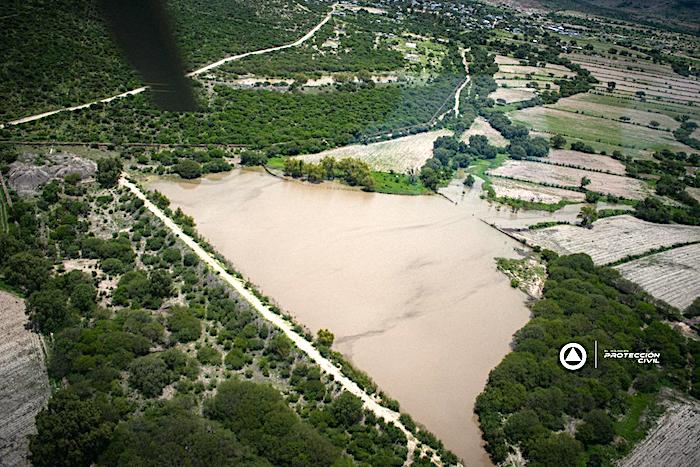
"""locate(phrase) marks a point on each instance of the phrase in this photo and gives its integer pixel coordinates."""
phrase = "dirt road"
(197, 72)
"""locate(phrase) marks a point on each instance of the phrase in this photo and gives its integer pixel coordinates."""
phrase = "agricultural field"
(637, 112)
(24, 385)
(400, 155)
(672, 276)
(550, 174)
(586, 161)
(626, 137)
(610, 239)
(532, 192)
(513, 79)
(673, 441)
(482, 127)
(510, 95)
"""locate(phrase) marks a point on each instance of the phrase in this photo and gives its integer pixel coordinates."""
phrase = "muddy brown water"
(408, 285)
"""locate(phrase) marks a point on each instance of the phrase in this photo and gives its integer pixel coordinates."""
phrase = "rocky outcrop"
(31, 171)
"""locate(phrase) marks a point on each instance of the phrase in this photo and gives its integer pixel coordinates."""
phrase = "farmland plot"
(571, 125)
(586, 161)
(532, 192)
(580, 103)
(674, 440)
(512, 95)
(400, 155)
(611, 239)
(672, 276)
(24, 386)
(482, 127)
(569, 177)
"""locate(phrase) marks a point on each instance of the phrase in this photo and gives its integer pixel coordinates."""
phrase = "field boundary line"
(278, 321)
(196, 72)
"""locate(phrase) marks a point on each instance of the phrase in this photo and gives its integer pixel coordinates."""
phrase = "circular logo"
(572, 356)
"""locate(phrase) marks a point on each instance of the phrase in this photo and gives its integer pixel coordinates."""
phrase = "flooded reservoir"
(408, 285)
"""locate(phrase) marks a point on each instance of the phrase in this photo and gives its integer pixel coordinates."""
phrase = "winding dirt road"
(197, 72)
(458, 93)
(285, 326)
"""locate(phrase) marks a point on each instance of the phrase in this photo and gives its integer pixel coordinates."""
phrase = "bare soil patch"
(569, 177)
(24, 385)
(611, 239)
(512, 95)
(482, 127)
(586, 161)
(400, 155)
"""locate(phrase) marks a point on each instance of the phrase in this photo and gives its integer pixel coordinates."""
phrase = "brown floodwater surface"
(408, 285)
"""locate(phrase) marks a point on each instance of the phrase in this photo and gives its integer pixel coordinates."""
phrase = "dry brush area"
(672, 276)
(24, 385)
(611, 239)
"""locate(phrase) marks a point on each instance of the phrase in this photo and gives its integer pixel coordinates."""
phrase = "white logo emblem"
(572, 356)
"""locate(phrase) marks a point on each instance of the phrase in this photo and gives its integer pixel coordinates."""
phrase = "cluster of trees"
(188, 163)
(683, 134)
(449, 154)
(352, 171)
(529, 395)
(356, 52)
(521, 145)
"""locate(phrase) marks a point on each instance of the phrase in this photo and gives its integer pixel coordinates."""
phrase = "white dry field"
(482, 127)
(400, 155)
(672, 276)
(532, 192)
(510, 95)
(611, 239)
(566, 176)
(673, 442)
(586, 161)
(24, 386)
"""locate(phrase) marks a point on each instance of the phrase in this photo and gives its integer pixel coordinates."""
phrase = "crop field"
(537, 172)
(482, 127)
(673, 441)
(611, 239)
(657, 82)
(532, 192)
(586, 161)
(624, 109)
(400, 155)
(667, 108)
(572, 125)
(24, 386)
(672, 276)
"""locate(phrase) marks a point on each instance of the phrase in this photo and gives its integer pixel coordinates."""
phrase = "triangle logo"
(572, 356)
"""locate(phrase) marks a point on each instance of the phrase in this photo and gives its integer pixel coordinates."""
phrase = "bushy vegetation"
(530, 398)
(352, 171)
(79, 63)
(450, 154)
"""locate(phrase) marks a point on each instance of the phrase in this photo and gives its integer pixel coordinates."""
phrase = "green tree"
(188, 169)
(557, 141)
(108, 171)
(556, 450)
(597, 428)
(346, 410)
(184, 326)
(27, 271)
(588, 215)
(48, 310)
(325, 338)
(149, 374)
(70, 432)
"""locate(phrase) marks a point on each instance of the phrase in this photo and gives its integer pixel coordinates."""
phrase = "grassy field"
(397, 184)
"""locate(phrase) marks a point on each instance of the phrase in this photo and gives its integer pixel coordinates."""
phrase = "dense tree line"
(450, 154)
(283, 123)
(529, 396)
(352, 171)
